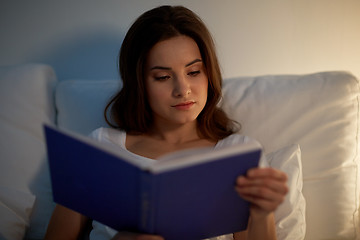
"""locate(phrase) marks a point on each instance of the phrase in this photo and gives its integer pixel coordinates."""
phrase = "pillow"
(80, 103)
(26, 98)
(290, 215)
(320, 112)
(15, 209)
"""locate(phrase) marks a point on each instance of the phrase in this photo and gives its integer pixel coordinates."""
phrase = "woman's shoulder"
(110, 135)
(235, 139)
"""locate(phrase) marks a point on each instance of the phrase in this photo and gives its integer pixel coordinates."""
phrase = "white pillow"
(320, 112)
(80, 103)
(290, 215)
(26, 98)
(15, 209)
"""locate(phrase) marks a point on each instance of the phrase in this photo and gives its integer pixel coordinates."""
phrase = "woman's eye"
(162, 78)
(193, 73)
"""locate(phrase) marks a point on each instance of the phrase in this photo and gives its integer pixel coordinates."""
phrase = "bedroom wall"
(80, 39)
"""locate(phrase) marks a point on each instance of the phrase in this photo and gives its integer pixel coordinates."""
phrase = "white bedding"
(320, 112)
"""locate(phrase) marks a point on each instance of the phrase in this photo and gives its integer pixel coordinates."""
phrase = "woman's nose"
(181, 87)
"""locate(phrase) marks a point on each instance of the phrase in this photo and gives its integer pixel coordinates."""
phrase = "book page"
(179, 159)
(191, 157)
(106, 147)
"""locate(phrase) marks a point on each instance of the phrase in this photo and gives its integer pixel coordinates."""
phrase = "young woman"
(171, 88)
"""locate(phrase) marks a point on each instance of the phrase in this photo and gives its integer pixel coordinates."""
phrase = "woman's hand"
(264, 188)
(135, 236)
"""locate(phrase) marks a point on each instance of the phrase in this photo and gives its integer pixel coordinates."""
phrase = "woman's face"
(176, 81)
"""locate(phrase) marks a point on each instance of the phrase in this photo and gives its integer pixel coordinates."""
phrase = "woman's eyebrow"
(193, 62)
(169, 68)
(160, 67)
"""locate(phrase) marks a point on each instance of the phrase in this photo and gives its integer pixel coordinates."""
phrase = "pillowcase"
(320, 112)
(290, 215)
(15, 209)
(26, 98)
(80, 103)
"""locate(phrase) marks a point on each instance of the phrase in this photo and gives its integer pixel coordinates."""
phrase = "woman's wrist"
(262, 226)
(258, 214)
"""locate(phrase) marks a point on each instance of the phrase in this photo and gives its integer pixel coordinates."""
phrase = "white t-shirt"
(118, 138)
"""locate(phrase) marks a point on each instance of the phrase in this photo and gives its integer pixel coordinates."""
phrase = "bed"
(308, 125)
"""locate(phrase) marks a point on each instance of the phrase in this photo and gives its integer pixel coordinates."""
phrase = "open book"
(187, 195)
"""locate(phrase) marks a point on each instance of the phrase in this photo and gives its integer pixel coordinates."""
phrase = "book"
(186, 195)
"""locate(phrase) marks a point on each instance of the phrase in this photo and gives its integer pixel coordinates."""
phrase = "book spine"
(147, 203)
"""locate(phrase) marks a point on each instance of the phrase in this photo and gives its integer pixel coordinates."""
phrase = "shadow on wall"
(86, 56)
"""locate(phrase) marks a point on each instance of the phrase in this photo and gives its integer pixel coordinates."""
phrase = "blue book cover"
(186, 195)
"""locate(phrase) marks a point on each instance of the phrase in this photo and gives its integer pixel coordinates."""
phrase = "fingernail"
(241, 180)
(250, 173)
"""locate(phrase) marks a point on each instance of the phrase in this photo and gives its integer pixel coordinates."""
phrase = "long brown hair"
(129, 109)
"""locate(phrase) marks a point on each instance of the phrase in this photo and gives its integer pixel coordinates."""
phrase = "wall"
(81, 39)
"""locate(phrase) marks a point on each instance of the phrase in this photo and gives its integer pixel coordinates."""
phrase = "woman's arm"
(265, 189)
(136, 236)
(65, 224)
(259, 229)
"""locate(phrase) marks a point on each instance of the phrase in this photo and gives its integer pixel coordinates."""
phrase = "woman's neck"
(175, 134)
(162, 140)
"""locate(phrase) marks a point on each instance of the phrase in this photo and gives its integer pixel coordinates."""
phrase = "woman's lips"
(184, 105)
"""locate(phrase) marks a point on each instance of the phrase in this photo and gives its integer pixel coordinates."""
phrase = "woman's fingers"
(262, 197)
(264, 187)
(267, 172)
(267, 177)
(267, 183)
